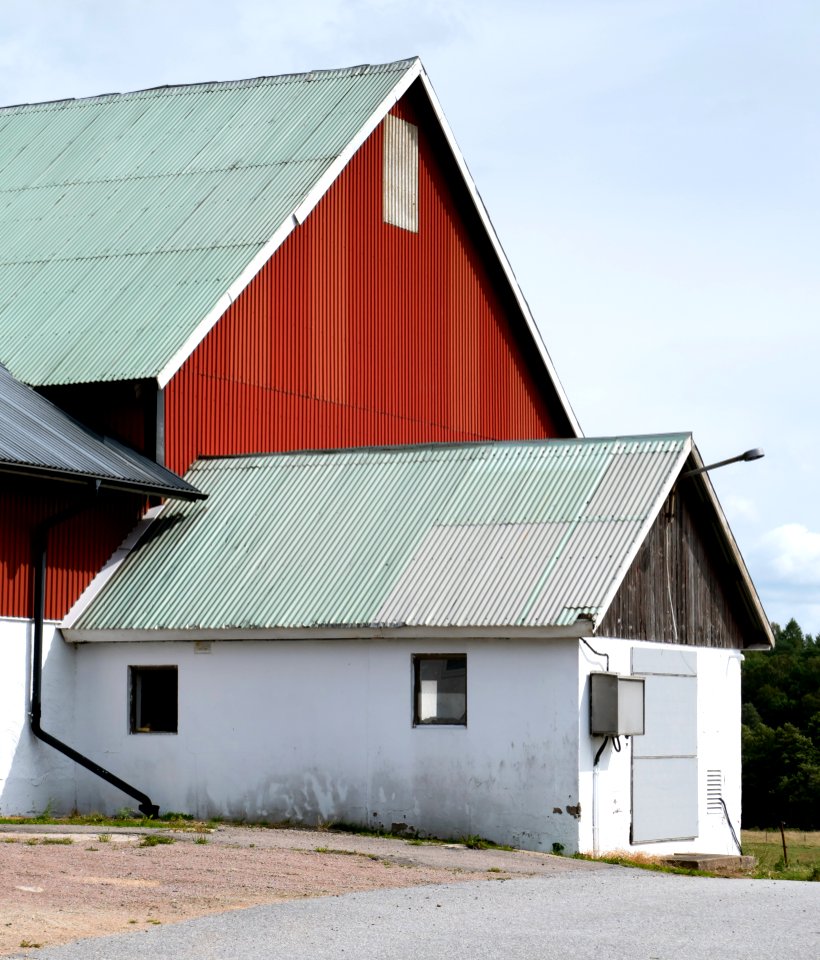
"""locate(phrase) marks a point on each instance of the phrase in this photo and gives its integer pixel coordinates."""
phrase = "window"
(153, 699)
(440, 689)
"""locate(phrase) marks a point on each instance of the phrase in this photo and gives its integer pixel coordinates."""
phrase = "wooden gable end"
(360, 332)
(681, 587)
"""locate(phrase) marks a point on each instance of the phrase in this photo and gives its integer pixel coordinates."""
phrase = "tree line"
(781, 732)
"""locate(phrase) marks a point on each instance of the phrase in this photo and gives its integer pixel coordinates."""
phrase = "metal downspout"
(39, 549)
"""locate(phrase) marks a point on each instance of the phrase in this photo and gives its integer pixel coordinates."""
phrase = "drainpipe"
(39, 549)
(596, 816)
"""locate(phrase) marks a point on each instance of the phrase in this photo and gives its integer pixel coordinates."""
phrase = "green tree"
(781, 731)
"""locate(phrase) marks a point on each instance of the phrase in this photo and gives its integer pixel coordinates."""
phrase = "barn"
(240, 273)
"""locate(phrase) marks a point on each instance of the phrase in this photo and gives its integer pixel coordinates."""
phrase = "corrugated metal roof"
(522, 534)
(37, 438)
(137, 211)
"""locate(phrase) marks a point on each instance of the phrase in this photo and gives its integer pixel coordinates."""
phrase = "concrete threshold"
(711, 862)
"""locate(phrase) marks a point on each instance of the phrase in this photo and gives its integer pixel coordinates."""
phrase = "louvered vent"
(714, 791)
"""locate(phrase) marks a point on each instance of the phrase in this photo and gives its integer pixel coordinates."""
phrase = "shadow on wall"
(33, 776)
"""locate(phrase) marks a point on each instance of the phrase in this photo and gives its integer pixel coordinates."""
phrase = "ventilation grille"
(714, 791)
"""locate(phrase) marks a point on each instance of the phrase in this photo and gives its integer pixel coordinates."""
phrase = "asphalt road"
(615, 914)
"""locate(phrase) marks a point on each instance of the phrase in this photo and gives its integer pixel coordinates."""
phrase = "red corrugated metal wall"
(358, 333)
(77, 549)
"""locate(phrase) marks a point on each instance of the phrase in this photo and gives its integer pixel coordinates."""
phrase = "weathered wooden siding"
(358, 332)
(678, 556)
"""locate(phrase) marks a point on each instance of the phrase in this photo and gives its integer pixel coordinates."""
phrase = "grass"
(474, 842)
(347, 853)
(642, 861)
(155, 839)
(122, 818)
(803, 848)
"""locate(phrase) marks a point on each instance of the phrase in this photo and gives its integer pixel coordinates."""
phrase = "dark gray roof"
(37, 438)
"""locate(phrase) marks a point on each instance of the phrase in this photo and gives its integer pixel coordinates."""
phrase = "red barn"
(303, 263)
(283, 263)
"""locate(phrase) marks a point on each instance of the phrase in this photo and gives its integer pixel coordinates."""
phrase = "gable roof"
(38, 439)
(130, 222)
(521, 536)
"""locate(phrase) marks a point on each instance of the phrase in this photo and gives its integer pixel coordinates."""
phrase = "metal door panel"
(664, 799)
(671, 711)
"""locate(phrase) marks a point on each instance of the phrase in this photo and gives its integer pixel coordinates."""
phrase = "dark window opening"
(440, 689)
(153, 699)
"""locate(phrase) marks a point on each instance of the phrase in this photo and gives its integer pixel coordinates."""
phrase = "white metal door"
(664, 760)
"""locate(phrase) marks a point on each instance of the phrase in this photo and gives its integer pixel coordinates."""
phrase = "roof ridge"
(440, 446)
(180, 89)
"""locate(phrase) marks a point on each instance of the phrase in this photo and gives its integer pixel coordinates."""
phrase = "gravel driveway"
(609, 915)
(525, 905)
(58, 885)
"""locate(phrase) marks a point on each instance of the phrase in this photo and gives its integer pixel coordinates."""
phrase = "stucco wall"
(33, 776)
(718, 748)
(321, 731)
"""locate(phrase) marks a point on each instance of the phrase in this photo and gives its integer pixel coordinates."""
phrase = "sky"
(650, 166)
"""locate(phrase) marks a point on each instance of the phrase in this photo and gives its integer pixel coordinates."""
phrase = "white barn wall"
(33, 776)
(718, 737)
(322, 730)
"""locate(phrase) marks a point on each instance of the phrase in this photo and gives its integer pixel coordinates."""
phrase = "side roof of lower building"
(37, 439)
(487, 537)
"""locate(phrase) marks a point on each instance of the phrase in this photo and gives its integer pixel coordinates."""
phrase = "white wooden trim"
(295, 219)
(299, 215)
(113, 564)
(726, 530)
(499, 252)
(736, 556)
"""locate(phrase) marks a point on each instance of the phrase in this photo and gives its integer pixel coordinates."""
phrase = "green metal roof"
(523, 534)
(129, 213)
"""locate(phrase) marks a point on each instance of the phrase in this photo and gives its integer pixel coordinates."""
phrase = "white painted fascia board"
(499, 252)
(571, 632)
(734, 550)
(665, 489)
(115, 561)
(294, 219)
(414, 72)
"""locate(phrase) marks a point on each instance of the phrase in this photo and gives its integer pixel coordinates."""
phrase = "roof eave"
(188, 492)
(573, 631)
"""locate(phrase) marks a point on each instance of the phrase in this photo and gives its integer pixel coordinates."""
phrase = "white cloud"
(792, 555)
(737, 507)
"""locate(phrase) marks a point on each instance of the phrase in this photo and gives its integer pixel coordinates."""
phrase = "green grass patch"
(173, 820)
(802, 848)
(642, 862)
(155, 840)
(474, 842)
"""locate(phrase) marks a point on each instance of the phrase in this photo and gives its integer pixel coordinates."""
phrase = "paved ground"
(583, 914)
(62, 884)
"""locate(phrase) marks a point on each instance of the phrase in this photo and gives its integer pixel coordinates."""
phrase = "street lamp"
(754, 454)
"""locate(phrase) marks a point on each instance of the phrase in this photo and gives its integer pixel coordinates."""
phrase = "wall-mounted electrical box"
(616, 705)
